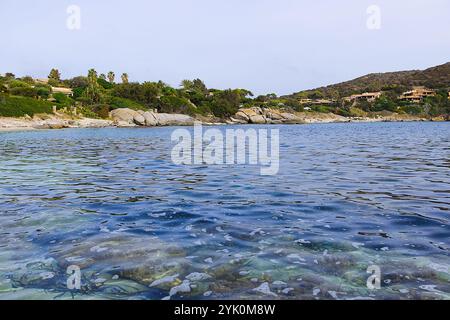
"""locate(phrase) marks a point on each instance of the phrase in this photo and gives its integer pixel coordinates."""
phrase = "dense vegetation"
(11, 106)
(100, 94)
(96, 95)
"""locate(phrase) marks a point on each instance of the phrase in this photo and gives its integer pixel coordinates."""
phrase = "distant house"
(366, 96)
(42, 81)
(417, 94)
(66, 91)
(317, 101)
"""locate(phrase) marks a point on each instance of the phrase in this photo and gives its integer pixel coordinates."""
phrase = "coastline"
(9, 124)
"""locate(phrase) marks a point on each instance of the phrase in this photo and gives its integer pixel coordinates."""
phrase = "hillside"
(435, 77)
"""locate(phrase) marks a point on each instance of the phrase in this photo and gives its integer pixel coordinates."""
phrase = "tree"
(196, 85)
(93, 91)
(78, 82)
(111, 77)
(127, 91)
(150, 93)
(55, 75)
(199, 86)
(226, 103)
(124, 77)
(187, 84)
(102, 76)
(43, 91)
(28, 80)
(384, 103)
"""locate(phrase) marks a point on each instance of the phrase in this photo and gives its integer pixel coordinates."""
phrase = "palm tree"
(187, 84)
(124, 77)
(93, 91)
(111, 77)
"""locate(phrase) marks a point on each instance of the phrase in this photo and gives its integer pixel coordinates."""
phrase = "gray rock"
(146, 118)
(150, 119)
(123, 115)
(258, 119)
(197, 276)
(166, 119)
(240, 115)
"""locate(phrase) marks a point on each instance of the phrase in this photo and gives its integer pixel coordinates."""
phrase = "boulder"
(250, 112)
(237, 121)
(166, 119)
(291, 118)
(123, 115)
(138, 119)
(150, 119)
(146, 118)
(258, 119)
(241, 116)
(273, 114)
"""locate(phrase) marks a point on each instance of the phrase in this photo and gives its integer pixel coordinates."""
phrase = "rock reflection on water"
(348, 196)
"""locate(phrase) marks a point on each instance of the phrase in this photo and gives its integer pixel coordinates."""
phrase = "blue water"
(347, 196)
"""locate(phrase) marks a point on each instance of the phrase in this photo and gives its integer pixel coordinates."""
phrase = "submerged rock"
(185, 287)
(196, 276)
(265, 289)
(168, 279)
(143, 260)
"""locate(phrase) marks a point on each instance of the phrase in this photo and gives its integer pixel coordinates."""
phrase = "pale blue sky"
(277, 46)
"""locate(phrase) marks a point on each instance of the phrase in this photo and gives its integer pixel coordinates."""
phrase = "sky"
(277, 46)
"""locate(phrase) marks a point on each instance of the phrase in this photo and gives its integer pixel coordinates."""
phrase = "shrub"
(18, 84)
(24, 91)
(43, 92)
(105, 84)
(356, 112)
(78, 92)
(29, 80)
(116, 103)
(20, 106)
(225, 103)
(384, 103)
(323, 109)
(101, 110)
(413, 109)
(170, 104)
(62, 99)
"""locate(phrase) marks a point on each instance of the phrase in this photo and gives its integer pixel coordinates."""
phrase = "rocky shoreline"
(132, 118)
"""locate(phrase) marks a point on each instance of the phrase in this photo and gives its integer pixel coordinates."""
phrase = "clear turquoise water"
(111, 201)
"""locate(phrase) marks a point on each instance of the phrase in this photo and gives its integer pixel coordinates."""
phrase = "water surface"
(110, 201)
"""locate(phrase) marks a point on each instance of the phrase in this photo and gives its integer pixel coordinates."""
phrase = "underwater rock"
(265, 289)
(167, 279)
(183, 288)
(197, 276)
(207, 293)
(142, 260)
